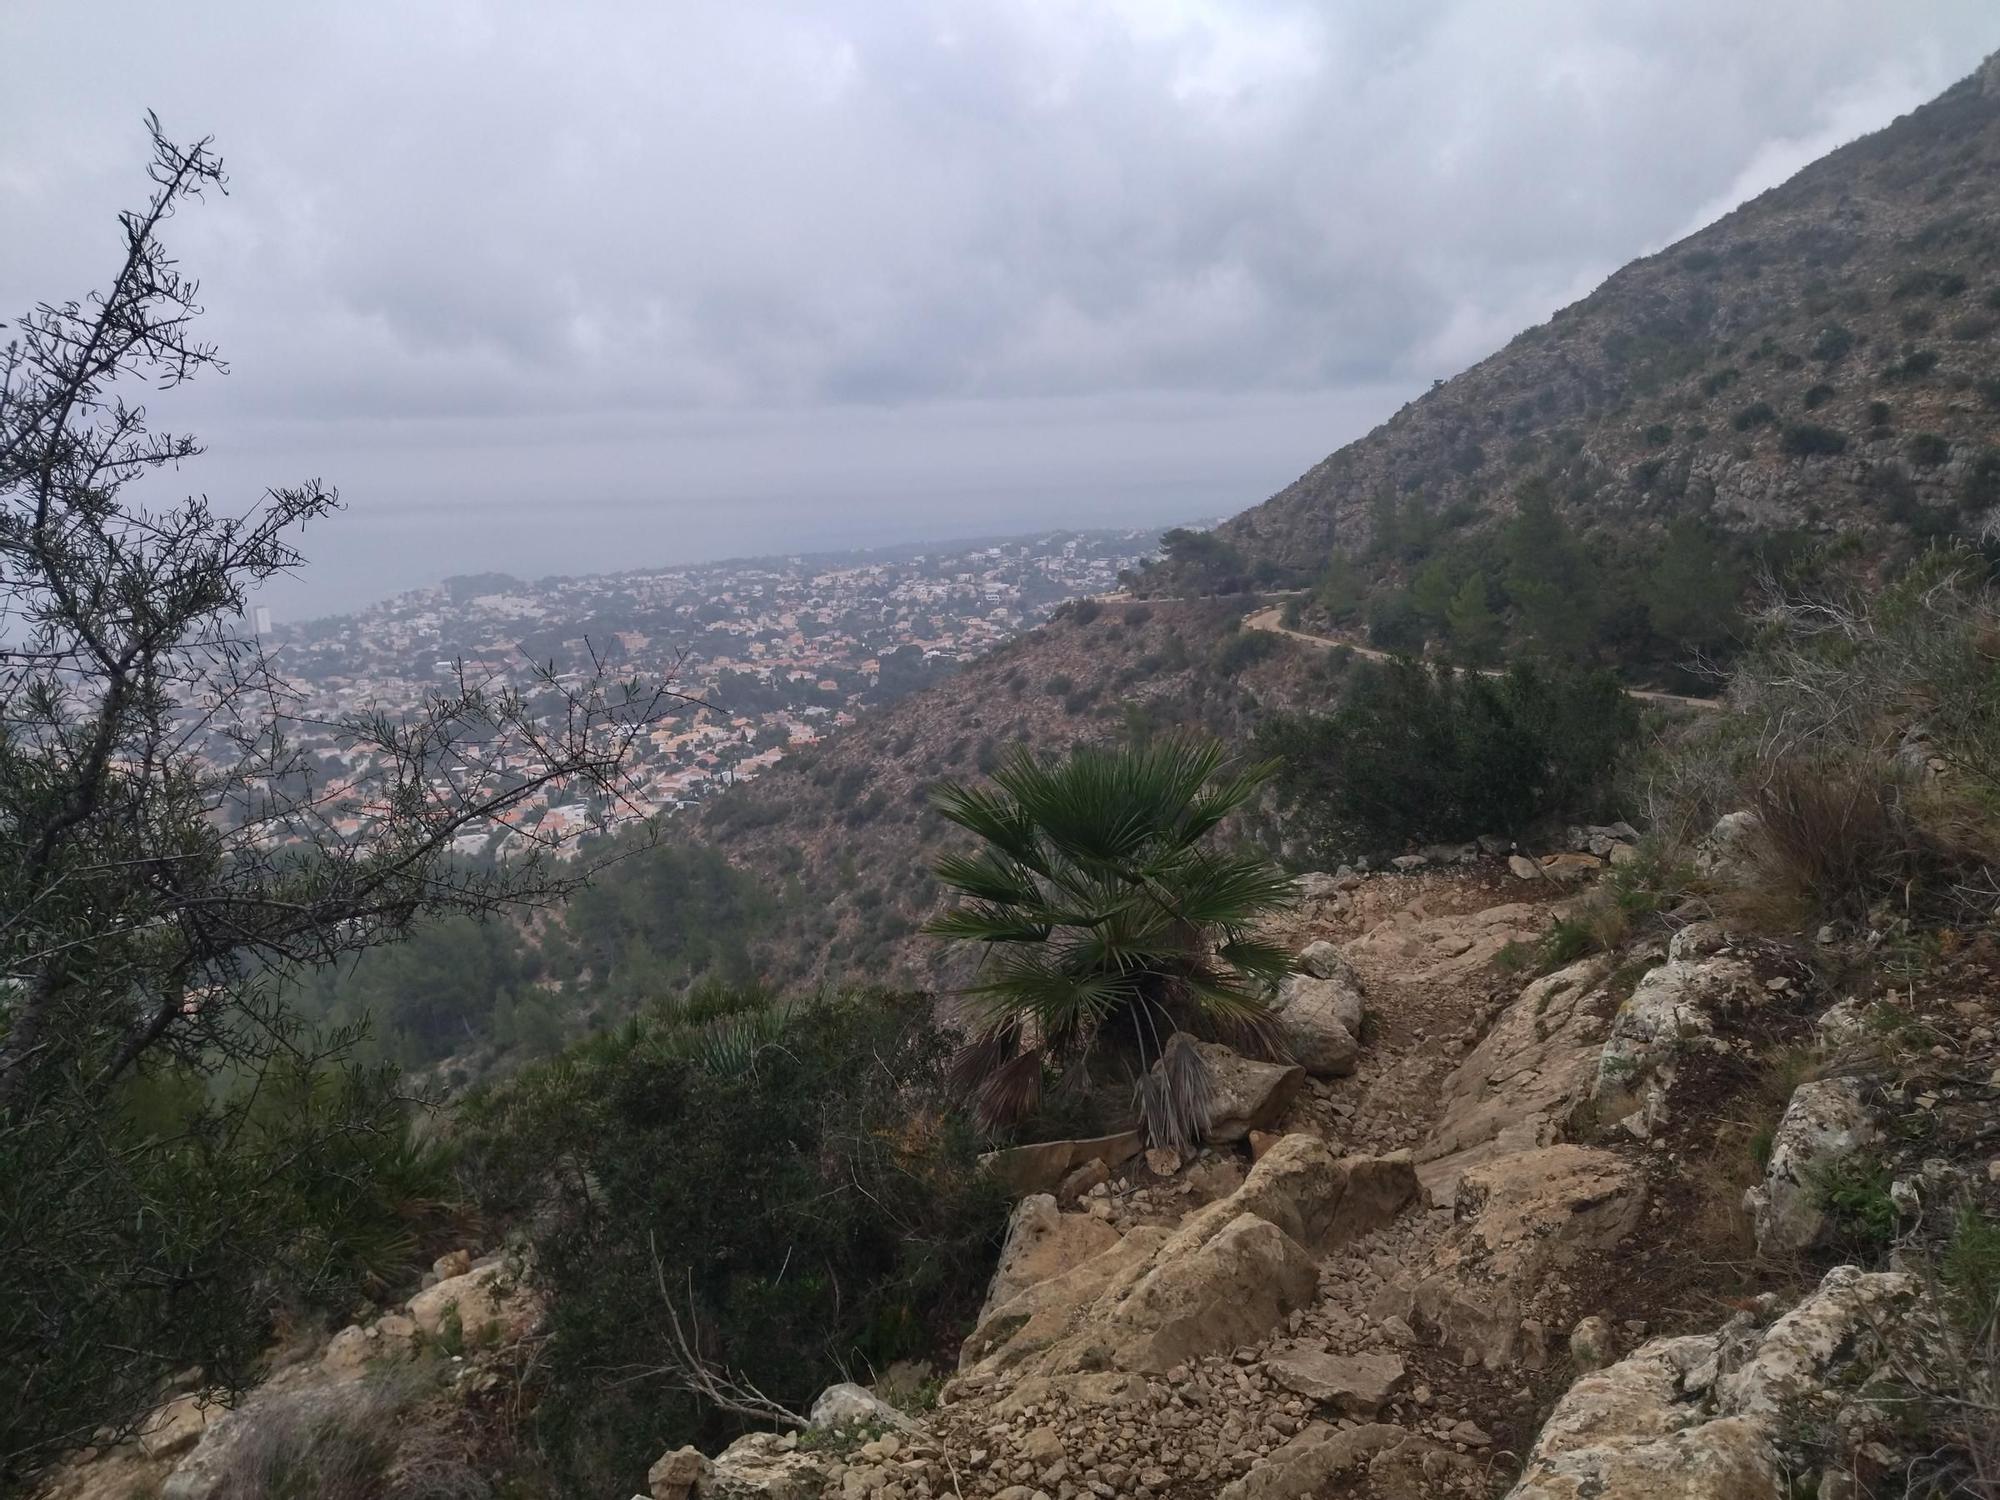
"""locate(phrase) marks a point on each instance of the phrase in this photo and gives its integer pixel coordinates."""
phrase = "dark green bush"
(797, 1181)
(1239, 648)
(1818, 395)
(1810, 440)
(1757, 414)
(1928, 450)
(1416, 753)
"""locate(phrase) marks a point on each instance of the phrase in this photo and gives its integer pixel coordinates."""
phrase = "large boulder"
(1322, 1200)
(1669, 1015)
(1355, 1385)
(1320, 1013)
(1824, 1121)
(1707, 1416)
(1313, 1461)
(1043, 1242)
(1244, 1094)
(849, 1405)
(1231, 1289)
(1521, 1085)
(1523, 1222)
(1225, 1277)
(490, 1303)
(762, 1466)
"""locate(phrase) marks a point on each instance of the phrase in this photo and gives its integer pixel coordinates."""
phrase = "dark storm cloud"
(681, 252)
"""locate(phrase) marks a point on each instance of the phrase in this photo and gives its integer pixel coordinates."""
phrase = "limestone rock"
(1320, 1015)
(677, 1475)
(493, 1307)
(849, 1405)
(1231, 1290)
(1313, 1461)
(1357, 1385)
(177, 1426)
(1824, 1121)
(1729, 853)
(1418, 1469)
(1523, 868)
(1322, 1200)
(1519, 1087)
(1454, 946)
(452, 1263)
(1224, 1278)
(762, 1466)
(1522, 1220)
(1666, 1017)
(1042, 1166)
(1043, 1242)
(1702, 1416)
(348, 1353)
(1591, 1344)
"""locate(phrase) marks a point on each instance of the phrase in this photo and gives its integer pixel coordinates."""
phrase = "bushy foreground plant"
(738, 1204)
(1415, 752)
(1108, 924)
(1866, 737)
(173, 861)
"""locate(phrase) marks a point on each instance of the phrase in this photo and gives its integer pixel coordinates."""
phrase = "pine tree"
(1549, 578)
(1473, 626)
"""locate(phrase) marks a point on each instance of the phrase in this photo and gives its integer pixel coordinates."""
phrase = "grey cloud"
(801, 216)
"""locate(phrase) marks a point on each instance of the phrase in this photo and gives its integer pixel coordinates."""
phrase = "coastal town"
(765, 656)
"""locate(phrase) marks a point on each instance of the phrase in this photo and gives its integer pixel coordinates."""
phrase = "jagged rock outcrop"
(1667, 1016)
(1226, 1276)
(1521, 1084)
(1705, 1416)
(1319, 1011)
(1523, 1220)
(1042, 1243)
(1825, 1120)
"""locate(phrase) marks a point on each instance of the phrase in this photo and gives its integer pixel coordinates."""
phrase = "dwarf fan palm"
(1109, 924)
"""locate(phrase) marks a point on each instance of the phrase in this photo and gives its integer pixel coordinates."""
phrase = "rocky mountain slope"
(1827, 356)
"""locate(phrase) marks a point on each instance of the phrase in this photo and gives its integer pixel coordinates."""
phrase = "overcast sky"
(560, 287)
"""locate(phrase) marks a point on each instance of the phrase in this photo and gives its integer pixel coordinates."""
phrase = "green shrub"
(1832, 343)
(1817, 396)
(795, 1181)
(1239, 649)
(1757, 414)
(1854, 1191)
(1809, 440)
(1421, 753)
(1928, 450)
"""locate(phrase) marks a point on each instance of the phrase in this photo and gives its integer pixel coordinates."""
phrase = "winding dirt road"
(1270, 619)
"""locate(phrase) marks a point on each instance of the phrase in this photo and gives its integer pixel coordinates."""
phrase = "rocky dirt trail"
(1408, 1264)
(1246, 1324)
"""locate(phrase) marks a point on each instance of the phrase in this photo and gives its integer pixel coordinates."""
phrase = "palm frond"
(1176, 1098)
(1011, 1092)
